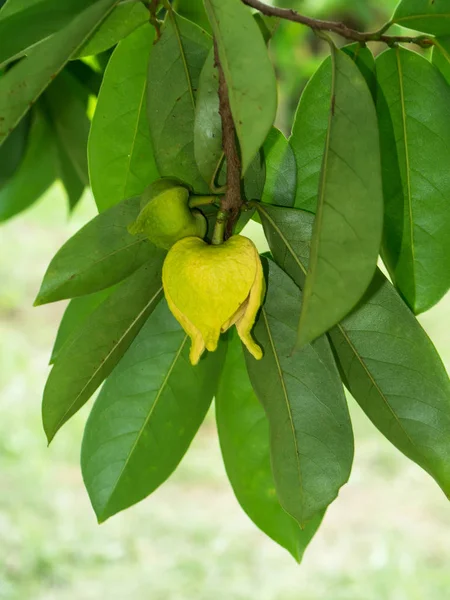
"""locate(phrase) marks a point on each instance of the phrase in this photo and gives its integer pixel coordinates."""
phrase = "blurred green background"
(386, 537)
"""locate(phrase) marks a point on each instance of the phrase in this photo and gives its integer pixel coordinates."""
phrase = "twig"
(231, 202)
(339, 28)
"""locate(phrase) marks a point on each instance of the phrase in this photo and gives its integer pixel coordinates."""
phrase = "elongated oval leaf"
(146, 415)
(102, 253)
(36, 173)
(348, 225)
(389, 364)
(193, 10)
(311, 435)
(441, 56)
(430, 16)
(92, 354)
(13, 150)
(122, 21)
(26, 80)
(281, 174)
(416, 245)
(76, 314)
(174, 70)
(121, 158)
(252, 91)
(245, 443)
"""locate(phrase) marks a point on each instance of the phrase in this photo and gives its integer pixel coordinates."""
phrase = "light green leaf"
(74, 317)
(281, 174)
(36, 172)
(365, 61)
(441, 56)
(146, 415)
(252, 91)
(85, 362)
(311, 434)
(348, 225)
(245, 443)
(174, 70)
(121, 160)
(21, 86)
(194, 11)
(415, 146)
(101, 254)
(32, 24)
(430, 16)
(122, 21)
(389, 364)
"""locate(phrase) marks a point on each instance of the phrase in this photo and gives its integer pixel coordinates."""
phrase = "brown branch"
(335, 27)
(231, 203)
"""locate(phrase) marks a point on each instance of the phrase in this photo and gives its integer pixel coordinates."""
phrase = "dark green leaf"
(281, 174)
(75, 315)
(348, 225)
(101, 254)
(65, 101)
(415, 143)
(69, 177)
(441, 56)
(32, 24)
(24, 82)
(122, 21)
(85, 362)
(146, 415)
(244, 439)
(86, 75)
(120, 150)
(365, 61)
(35, 174)
(388, 362)
(13, 150)
(174, 70)
(311, 435)
(252, 90)
(430, 16)
(194, 11)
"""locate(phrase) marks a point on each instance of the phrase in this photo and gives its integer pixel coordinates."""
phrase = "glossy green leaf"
(415, 144)
(121, 158)
(36, 172)
(430, 16)
(175, 64)
(13, 150)
(389, 364)
(101, 254)
(67, 110)
(146, 415)
(75, 315)
(281, 174)
(24, 82)
(85, 362)
(311, 434)
(245, 443)
(348, 225)
(32, 24)
(193, 10)
(252, 91)
(441, 56)
(122, 21)
(365, 61)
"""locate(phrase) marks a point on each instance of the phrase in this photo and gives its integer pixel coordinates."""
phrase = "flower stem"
(219, 228)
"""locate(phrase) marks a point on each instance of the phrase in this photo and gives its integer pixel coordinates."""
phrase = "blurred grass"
(386, 537)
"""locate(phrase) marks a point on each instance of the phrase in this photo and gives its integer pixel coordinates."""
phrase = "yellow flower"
(210, 288)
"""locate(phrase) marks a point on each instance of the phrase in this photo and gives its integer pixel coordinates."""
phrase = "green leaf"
(194, 11)
(311, 435)
(69, 177)
(389, 364)
(252, 90)
(90, 78)
(75, 315)
(244, 440)
(32, 24)
(430, 16)
(67, 109)
(348, 225)
(101, 254)
(281, 175)
(121, 158)
(365, 61)
(146, 415)
(35, 174)
(24, 82)
(441, 56)
(174, 70)
(85, 362)
(13, 150)
(415, 147)
(122, 21)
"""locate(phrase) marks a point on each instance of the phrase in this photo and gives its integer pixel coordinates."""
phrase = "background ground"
(386, 537)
